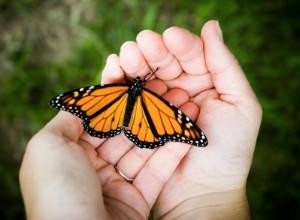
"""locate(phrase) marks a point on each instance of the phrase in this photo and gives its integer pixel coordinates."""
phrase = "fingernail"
(219, 31)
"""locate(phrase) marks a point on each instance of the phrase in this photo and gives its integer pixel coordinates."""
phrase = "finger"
(208, 94)
(227, 75)
(132, 60)
(187, 48)
(91, 153)
(67, 125)
(114, 148)
(191, 110)
(158, 170)
(133, 161)
(93, 141)
(157, 86)
(193, 84)
(115, 188)
(157, 55)
(176, 96)
(112, 71)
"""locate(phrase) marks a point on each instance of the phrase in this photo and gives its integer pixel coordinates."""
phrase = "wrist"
(231, 204)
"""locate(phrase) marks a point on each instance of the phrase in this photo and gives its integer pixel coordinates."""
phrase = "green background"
(47, 47)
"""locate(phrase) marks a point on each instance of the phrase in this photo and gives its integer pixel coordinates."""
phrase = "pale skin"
(67, 174)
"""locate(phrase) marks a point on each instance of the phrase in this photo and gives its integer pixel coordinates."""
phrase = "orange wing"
(102, 108)
(139, 130)
(170, 123)
(154, 121)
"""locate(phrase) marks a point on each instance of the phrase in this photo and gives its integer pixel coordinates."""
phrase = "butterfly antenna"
(150, 74)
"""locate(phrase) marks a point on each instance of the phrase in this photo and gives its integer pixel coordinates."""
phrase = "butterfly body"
(145, 118)
(134, 91)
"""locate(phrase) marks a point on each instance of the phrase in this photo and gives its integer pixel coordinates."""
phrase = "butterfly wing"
(154, 121)
(139, 129)
(102, 108)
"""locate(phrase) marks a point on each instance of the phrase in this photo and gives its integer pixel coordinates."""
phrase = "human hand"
(211, 182)
(58, 180)
(202, 77)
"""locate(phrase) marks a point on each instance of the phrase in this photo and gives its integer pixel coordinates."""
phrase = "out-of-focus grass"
(47, 47)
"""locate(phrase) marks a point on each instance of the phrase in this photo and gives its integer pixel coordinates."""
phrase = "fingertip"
(144, 34)
(227, 75)
(132, 60)
(127, 44)
(187, 48)
(113, 59)
(217, 55)
(150, 44)
(112, 72)
(178, 40)
(157, 86)
(212, 27)
(191, 110)
(157, 55)
(170, 30)
(176, 96)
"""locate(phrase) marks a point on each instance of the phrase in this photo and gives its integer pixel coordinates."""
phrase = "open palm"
(200, 76)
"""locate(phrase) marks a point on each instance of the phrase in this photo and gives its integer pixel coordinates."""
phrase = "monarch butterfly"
(146, 118)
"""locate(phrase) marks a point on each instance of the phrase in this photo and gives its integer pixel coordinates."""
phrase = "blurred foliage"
(48, 47)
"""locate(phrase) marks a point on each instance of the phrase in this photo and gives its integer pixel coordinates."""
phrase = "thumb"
(67, 125)
(226, 73)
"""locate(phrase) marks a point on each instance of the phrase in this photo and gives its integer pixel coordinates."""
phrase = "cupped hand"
(200, 75)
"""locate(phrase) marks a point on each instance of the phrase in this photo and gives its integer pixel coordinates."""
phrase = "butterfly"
(145, 117)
